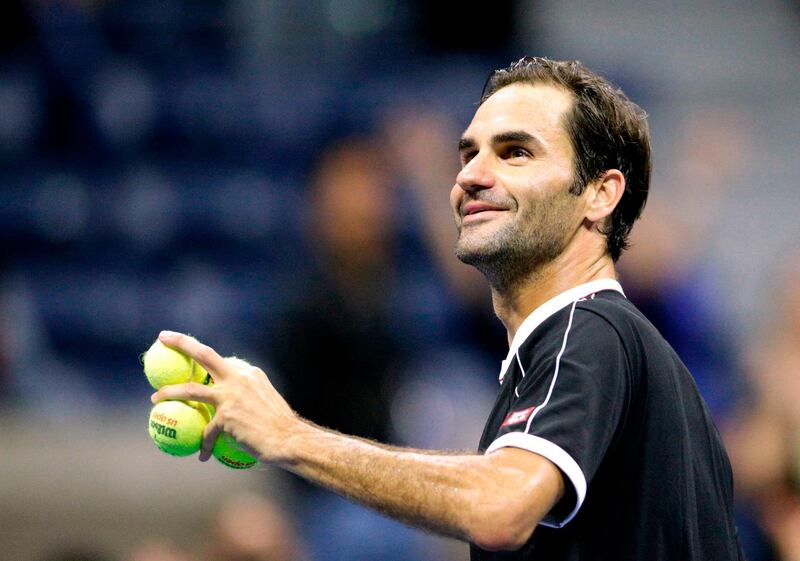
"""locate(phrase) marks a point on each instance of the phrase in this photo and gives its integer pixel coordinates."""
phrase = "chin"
(477, 253)
(481, 240)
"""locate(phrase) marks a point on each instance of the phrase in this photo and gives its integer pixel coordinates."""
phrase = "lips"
(477, 207)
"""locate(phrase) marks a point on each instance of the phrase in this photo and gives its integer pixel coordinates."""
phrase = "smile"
(477, 211)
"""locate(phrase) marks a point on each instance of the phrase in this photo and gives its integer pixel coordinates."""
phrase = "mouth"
(477, 210)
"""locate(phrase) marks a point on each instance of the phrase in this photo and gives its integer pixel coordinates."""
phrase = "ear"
(604, 195)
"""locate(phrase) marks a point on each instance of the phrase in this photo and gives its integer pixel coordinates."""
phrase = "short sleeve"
(569, 403)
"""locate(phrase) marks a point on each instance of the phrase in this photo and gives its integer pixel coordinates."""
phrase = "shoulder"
(588, 337)
(603, 318)
(597, 320)
(599, 332)
(609, 306)
(608, 312)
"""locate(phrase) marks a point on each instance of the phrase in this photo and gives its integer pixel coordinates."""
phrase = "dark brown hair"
(607, 130)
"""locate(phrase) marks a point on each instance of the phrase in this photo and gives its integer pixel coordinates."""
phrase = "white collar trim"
(537, 316)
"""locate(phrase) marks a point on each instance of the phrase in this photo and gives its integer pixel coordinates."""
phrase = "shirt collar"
(537, 316)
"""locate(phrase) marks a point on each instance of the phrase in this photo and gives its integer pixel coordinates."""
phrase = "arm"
(494, 500)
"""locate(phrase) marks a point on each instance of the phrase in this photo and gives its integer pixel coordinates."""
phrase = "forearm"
(494, 500)
(465, 496)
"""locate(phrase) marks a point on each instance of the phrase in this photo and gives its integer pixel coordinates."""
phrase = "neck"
(512, 304)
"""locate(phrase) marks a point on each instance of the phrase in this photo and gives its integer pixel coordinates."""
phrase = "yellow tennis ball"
(165, 366)
(177, 426)
(229, 453)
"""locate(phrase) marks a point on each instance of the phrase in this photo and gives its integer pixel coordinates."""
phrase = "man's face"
(511, 200)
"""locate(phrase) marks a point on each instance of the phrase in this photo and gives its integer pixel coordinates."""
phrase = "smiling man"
(599, 446)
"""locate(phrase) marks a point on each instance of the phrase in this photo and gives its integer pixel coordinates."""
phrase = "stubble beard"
(522, 248)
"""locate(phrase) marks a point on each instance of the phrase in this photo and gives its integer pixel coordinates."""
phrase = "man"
(599, 446)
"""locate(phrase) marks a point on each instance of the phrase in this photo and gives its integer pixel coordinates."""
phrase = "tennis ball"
(177, 426)
(228, 452)
(165, 366)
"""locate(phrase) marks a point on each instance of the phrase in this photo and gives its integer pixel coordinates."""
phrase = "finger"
(210, 435)
(205, 355)
(195, 392)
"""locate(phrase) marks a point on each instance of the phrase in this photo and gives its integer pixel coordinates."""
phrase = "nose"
(476, 175)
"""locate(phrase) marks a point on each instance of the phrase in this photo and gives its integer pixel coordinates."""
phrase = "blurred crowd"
(246, 527)
(278, 187)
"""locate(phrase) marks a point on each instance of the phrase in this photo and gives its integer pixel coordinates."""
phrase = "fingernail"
(153, 397)
(167, 334)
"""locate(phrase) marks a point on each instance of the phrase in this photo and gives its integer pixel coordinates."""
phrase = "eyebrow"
(467, 143)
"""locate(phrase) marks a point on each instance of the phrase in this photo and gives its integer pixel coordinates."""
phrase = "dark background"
(272, 177)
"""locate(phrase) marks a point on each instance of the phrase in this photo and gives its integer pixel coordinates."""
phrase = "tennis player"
(599, 446)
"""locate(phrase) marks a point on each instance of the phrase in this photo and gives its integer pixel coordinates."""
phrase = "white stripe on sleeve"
(555, 454)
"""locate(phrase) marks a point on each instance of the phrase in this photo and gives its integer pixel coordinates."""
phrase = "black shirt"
(591, 385)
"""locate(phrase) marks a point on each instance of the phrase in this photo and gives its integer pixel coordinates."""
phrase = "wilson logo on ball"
(169, 432)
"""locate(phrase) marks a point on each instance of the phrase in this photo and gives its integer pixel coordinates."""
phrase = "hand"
(247, 405)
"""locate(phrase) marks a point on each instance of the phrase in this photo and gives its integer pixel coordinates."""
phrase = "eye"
(467, 156)
(516, 152)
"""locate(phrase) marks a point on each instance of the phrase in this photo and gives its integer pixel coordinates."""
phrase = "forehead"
(537, 109)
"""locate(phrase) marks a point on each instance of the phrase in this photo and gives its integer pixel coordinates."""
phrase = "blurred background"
(273, 178)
